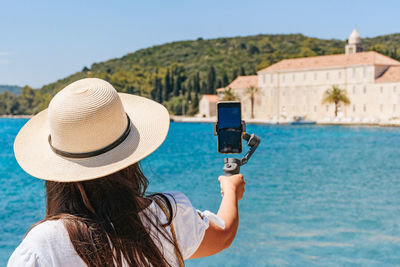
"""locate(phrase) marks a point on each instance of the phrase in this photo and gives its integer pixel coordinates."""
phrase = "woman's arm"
(215, 238)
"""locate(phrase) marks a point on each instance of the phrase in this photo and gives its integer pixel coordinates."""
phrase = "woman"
(87, 146)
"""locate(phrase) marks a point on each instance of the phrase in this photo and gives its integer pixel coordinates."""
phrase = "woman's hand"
(234, 184)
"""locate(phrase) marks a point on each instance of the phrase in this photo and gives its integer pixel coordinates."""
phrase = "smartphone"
(229, 129)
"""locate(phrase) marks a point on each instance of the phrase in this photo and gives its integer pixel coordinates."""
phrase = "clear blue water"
(315, 196)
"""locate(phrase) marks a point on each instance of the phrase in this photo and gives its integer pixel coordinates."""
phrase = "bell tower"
(354, 44)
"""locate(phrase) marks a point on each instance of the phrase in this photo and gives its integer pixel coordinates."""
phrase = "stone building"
(208, 106)
(295, 87)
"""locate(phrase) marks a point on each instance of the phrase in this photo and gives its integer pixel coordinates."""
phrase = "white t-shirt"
(48, 243)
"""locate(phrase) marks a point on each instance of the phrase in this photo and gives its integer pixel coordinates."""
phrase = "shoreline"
(16, 116)
(186, 119)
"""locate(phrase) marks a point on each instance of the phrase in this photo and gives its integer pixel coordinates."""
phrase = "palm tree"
(336, 96)
(229, 95)
(251, 92)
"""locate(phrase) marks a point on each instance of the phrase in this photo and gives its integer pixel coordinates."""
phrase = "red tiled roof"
(211, 98)
(392, 74)
(244, 82)
(370, 57)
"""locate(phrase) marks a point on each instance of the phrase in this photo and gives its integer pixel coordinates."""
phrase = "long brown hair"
(103, 222)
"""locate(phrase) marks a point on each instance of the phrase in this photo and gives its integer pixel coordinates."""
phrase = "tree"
(167, 85)
(196, 84)
(196, 100)
(25, 100)
(9, 103)
(336, 96)
(235, 74)
(251, 92)
(242, 71)
(229, 95)
(219, 83)
(225, 79)
(189, 95)
(211, 78)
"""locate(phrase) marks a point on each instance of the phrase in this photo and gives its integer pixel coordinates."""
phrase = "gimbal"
(232, 165)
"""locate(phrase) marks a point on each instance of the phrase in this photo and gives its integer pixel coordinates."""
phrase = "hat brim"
(150, 124)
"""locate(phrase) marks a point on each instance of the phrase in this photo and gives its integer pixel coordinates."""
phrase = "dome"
(354, 37)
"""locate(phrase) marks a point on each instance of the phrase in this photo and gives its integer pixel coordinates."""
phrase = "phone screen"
(229, 127)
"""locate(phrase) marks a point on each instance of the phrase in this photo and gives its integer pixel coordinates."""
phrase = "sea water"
(315, 196)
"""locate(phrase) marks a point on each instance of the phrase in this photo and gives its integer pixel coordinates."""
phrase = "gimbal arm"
(232, 165)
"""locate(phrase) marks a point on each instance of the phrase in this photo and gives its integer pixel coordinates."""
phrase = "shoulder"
(46, 244)
(46, 230)
(178, 199)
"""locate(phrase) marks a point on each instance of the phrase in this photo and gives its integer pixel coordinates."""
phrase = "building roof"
(392, 74)
(243, 82)
(361, 58)
(211, 98)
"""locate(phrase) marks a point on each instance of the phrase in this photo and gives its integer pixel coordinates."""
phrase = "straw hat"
(90, 131)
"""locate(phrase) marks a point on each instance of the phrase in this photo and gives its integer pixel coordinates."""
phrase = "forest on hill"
(178, 73)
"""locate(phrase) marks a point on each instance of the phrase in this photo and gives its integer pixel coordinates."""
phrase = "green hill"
(173, 72)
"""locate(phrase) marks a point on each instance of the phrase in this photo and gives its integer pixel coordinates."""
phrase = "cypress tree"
(242, 71)
(189, 95)
(154, 91)
(196, 84)
(159, 91)
(173, 84)
(225, 80)
(211, 80)
(235, 74)
(219, 83)
(167, 83)
(195, 100)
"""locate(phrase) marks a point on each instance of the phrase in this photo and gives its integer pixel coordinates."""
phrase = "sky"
(43, 41)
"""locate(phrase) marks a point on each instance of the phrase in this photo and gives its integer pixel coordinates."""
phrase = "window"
(340, 75)
(315, 76)
(304, 76)
(354, 72)
(381, 89)
(364, 72)
(365, 89)
(394, 108)
(327, 108)
(327, 75)
(354, 90)
(381, 107)
(283, 78)
(354, 108)
(293, 77)
(283, 93)
(365, 108)
(272, 78)
(394, 89)
(315, 108)
(264, 78)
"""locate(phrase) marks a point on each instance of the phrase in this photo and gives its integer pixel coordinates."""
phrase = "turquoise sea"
(315, 196)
